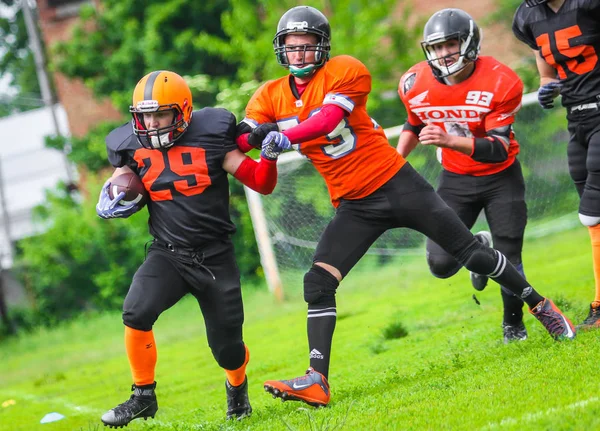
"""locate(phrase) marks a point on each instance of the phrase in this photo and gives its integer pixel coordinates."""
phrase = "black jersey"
(188, 187)
(569, 41)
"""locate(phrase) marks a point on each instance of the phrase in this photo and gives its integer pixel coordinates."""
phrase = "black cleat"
(238, 404)
(477, 280)
(142, 404)
(516, 332)
(592, 321)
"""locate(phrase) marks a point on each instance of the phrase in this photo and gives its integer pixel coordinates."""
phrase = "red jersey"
(486, 100)
(355, 158)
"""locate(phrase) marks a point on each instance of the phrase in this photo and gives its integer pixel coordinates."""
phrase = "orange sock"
(236, 377)
(595, 238)
(141, 351)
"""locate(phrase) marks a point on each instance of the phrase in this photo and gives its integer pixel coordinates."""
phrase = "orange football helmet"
(161, 90)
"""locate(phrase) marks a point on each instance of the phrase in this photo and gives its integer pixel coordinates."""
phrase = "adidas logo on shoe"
(315, 354)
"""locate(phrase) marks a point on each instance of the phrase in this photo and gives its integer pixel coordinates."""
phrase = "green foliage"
(17, 66)
(114, 46)
(80, 262)
(360, 28)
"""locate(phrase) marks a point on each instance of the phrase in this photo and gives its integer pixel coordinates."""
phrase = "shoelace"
(554, 325)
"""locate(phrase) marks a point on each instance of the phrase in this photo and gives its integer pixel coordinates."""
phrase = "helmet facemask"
(321, 50)
(469, 51)
(163, 137)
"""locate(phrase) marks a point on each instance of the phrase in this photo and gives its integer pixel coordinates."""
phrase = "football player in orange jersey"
(320, 107)
(464, 106)
(565, 40)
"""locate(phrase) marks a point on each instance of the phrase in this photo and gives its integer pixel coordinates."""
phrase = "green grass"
(410, 353)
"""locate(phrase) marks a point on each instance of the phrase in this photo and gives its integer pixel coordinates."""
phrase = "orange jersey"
(355, 158)
(486, 100)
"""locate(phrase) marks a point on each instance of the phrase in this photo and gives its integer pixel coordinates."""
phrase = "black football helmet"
(533, 3)
(303, 19)
(451, 24)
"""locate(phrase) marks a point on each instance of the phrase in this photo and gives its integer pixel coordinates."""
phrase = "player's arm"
(494, 147)
(409, 139)
(259, 176)
(322, 123)
(547, 72)
(435, 135)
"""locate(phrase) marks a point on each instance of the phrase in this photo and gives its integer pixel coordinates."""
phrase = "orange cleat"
(312, 388)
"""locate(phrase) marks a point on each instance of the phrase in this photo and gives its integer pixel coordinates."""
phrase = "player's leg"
(354, 228)
(586, 161)
(156, 286)
(506, 213)
(220, 299)
(460, 194)
(424, 211)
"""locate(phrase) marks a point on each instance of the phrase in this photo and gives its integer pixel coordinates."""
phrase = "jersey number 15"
(583, 58)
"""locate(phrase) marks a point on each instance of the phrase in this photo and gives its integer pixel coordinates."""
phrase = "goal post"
(288, 223)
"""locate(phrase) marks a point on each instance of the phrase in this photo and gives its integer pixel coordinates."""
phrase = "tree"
(115, 45)
(17, 65)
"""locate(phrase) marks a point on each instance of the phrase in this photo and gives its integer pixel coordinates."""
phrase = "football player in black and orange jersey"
(183, 158)
(565, 38)
(320, 108)
(464, 105)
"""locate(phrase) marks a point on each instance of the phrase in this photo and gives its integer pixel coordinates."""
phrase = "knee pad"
(230, 356)
(320, 287)
(442, 266)
(589, 220)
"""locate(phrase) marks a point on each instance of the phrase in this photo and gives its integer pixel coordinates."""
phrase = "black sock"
(513, 305)
(320, 326)
(515, 282)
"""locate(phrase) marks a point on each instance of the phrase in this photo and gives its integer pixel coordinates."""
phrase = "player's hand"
(110, 208)
(270, 150)
(434, 135)
(260, 132)
(280, 140)
(547, 93)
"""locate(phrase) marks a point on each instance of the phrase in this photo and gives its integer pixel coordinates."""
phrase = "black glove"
(547, 93)
(258, 135)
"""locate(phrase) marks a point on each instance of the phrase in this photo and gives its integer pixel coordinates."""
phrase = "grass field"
(451, 372)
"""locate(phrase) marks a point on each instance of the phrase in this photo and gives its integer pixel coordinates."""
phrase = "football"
(133, 187)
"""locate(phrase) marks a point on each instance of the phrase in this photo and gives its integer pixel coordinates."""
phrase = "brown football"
(133, 187)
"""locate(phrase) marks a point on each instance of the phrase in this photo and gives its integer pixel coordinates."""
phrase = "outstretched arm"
(259, 176)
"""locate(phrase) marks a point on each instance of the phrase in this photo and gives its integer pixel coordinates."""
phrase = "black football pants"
(211, 275)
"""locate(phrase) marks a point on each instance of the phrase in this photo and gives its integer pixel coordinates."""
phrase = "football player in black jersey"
(565, 38)
(183, 158)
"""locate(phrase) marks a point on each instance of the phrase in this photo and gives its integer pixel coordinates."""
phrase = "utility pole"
(42, 75)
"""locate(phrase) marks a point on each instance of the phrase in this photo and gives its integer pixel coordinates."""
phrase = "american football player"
(464, 105)
(320, 110)
(183, 158)
(565, 39)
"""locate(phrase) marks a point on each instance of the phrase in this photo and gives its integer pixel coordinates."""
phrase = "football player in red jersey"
(320, 108)
(183, 158)
(565, 39)
(464, 106)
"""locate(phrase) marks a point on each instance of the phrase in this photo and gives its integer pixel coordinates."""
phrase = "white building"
(27, 169)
